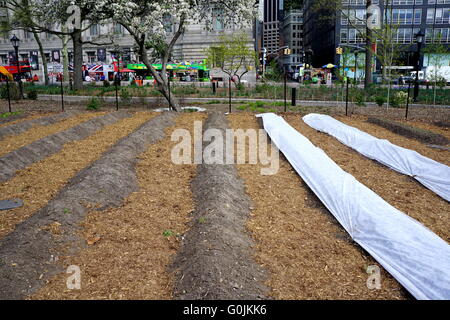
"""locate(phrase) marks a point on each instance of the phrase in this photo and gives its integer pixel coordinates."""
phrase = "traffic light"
(339, 50)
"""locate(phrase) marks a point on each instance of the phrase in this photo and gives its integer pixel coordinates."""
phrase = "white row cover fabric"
(432, 174)
(410, 252)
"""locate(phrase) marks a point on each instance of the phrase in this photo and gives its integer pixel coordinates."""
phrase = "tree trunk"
(65, 55)
(369, 53)
(77, 59)
(44, 60)
(161, 81)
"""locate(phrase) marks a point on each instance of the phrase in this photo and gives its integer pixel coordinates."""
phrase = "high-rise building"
(324, 32)
(271, 26)
(292, 35)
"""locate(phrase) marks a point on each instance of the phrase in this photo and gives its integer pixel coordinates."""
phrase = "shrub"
(14, 92)
(399, 99)
(125, 96)
(32, 95)
(106, 83)
(380, 100)
(360, 99)
(93, 104)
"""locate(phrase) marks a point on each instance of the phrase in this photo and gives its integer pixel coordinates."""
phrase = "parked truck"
(431, 73)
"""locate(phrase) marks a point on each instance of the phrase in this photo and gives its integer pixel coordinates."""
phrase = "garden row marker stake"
(407, 101)
(346, 100)
(168, 85)
(62, 93)
(229, 90)
(9, 96)
(285, 91)
(117, 93)
(294, 96)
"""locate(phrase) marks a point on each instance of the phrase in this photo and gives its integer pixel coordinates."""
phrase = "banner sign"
(101, 54)
(34, 60)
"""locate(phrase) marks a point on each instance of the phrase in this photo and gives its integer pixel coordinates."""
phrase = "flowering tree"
(62, 18)
(156, 25)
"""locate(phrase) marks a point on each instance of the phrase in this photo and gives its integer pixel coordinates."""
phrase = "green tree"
(232, 55)
(437, 54)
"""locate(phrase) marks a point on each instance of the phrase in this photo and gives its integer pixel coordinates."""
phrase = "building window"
(93, 30)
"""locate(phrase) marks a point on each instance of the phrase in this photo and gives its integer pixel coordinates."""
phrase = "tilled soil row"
(24, 116)
(40, 149)
(399, 190)
(42, 180)
(35, 133)
(131, 246)
(304, 248)
(215, 261)
(27, 255)
(17, 128)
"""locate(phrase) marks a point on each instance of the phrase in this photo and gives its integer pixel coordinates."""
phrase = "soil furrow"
(306, 251)
(27, 256)
(14, 142)
(399, 190)
(215, 261)
(18, 128)
(138, 240)
(22, 117)
(42, 180)
(40, 149)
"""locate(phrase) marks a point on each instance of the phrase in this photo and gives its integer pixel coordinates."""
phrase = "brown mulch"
(13, 142)
(307, 253)
(41, 181)
(131, 247)
(399, 190)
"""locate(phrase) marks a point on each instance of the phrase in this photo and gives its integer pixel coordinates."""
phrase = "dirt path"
(397, 189)
(41, 181)
(10, 143)
(137, 241)
(307, 253)
(215, 261)
(442, 156)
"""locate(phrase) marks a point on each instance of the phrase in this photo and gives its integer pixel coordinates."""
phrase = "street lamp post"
(15, 43)
(419, 38)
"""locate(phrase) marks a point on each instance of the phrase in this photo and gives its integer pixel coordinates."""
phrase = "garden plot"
(307, 253)
(12, 142)
(131, 247)
(401, 191)
(42, 148)
(215, 261)
(26, 252)
(432, 174)
(415, 256)
(16, 128)
(442, 156)
(41, 181)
